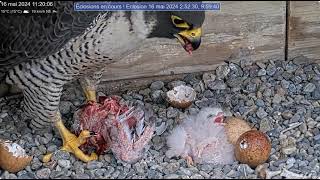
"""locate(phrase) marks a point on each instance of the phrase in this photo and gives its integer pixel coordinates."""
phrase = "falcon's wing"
(27, 37)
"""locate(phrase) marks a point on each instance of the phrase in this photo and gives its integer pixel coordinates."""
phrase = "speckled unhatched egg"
(253, 148)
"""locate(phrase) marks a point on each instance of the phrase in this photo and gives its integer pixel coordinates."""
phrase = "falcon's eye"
(179, 23)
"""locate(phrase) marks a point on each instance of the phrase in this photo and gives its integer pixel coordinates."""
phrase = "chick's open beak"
(219, 118)
(190, 39)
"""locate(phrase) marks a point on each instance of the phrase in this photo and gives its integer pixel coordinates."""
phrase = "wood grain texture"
(241, 30)
(304, 29)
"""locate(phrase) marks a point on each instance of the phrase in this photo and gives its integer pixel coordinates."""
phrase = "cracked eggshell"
(235, 127)
(253, 148)
(181, 96)
(13, 157)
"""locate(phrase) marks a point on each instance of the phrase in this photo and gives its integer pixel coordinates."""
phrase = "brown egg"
(235, 127)
(12, 157)
(253, 148)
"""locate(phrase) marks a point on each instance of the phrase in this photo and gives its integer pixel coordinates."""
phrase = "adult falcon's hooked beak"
(190, 39)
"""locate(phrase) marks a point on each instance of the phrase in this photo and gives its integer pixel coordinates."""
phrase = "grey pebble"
(43, 173)
(35, 164)
(52, 148)
(265, 125)
(206, 167)
(260, 64)
(81, 176)
(217, 85)
(317, 137)
(24, 176)
(204, 175)
(94, 165)
(158, 96)
(46, 139)
(291, 160)
(173, 84)
(137, 96)
(251, 87)
(261, 113)
(160, 129)
(277, 99)
(145, 92)
(208, 94)
(171, 176)
(289, 150)
(55, 174)
(140, 168)
(185, 171)
(173, 167)
(222, 71)
(172, 112)
(61, 155)
(232, 174)
(197, 176)
(115, 174)
(267, 92)
(3, 115)
(207, 78)
(310, 87)
(191, 79)
(260, 103)
(64, 163)
(287, 114)
(262, 72)
(157, 85)
(245, 169)
(100, 172)
(295, 118)
(11, 176)
(271, 70)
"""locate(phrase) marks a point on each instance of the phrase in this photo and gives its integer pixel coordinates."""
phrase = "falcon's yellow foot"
(88, 86)
(90, 95)
(71, 143)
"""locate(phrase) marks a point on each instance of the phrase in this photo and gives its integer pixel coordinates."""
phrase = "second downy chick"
(201, 139)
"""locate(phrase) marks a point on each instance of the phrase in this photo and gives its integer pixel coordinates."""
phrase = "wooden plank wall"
(240, 30)
(304, 29)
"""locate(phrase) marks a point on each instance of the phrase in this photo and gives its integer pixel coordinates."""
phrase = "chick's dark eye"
(210, 116)
(178, 21)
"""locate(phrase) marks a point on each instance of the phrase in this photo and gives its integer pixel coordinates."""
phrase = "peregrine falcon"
(41, 53)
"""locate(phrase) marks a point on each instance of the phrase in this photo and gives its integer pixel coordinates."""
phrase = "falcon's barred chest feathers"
(41, 54)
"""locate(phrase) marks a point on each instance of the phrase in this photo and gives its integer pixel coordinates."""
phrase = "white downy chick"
(201, 139)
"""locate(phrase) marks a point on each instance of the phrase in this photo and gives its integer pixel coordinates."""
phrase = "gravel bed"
(280, 98)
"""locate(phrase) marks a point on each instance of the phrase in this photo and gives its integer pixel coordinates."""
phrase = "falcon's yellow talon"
(94, 156)
(90, 95)
(85, 158)
(71, 143)
(46, 158)
(88, 86)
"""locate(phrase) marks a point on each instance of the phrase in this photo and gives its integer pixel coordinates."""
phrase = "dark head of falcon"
(186, 26)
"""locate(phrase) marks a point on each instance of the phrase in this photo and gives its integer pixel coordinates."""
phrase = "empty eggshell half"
(13, 157)
(181, 96)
